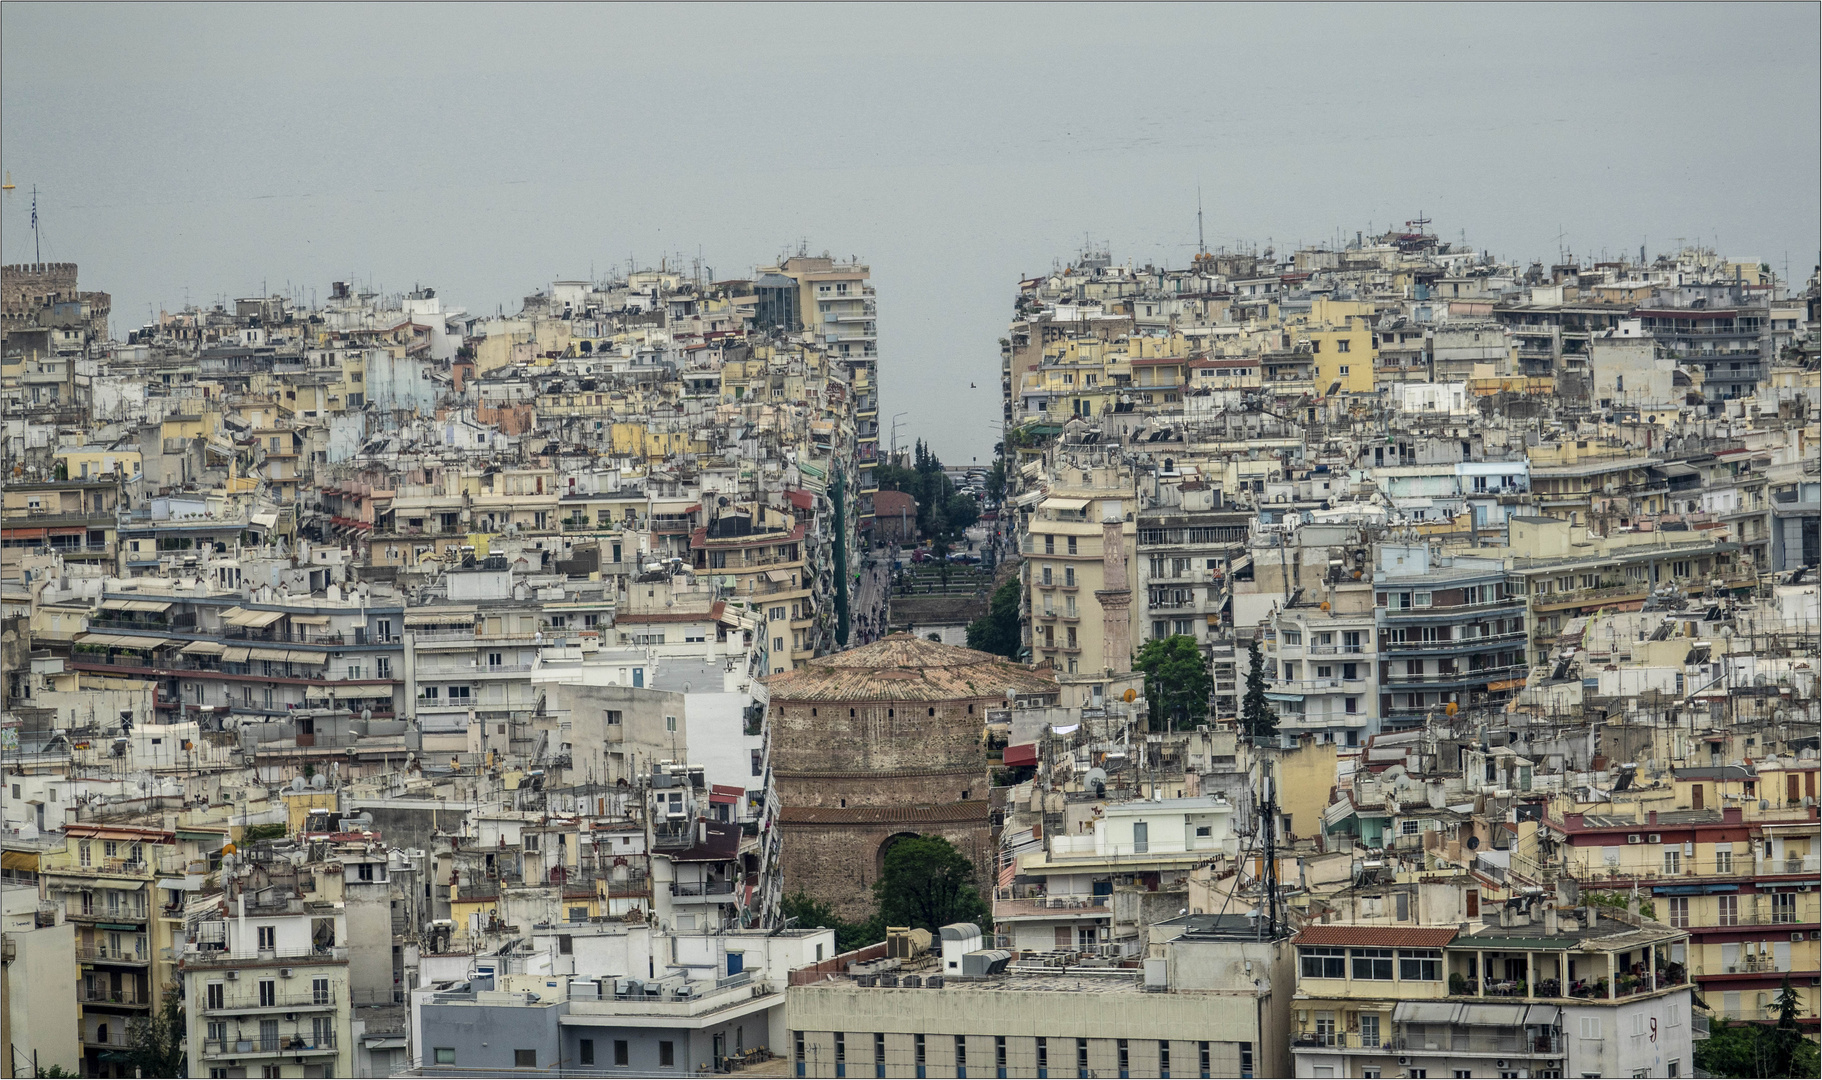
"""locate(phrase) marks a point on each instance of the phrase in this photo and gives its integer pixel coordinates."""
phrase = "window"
(1246, 1060)
(917, 1053)
(621, 1057)
(1050, 545)
(1202, 1058)
(841, 1054)
(1591, 1027)
(667, 1053)
(445, 1055)
(1679, 912)
(1324, 963)
(1419, 964)
(1163, 1060)
(1723, 858)
(524, 1059)
(319, 991)
(212, 996)
(1072, 548)
(1409, 827)
(268, 993)
(1673, 860)
(1784, 907)
(586, 1052)
(1372, 963)
(1125, 1056)
(1081, 1057)
(961, 1056)
(1727, 910)
(268, 938)
(1043, 1056)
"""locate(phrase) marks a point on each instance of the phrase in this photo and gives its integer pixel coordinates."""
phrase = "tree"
(996, 481)
(1742, 1050)
(156, 1042)
(1177, 681)
(1257, 717)
(927, 883)
(811, 912)
(997, 631)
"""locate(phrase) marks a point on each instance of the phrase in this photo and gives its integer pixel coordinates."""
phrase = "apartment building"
(1451, 632)
(266, 979)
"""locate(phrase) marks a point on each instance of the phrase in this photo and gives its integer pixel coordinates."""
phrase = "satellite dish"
(297, 783)
(1130, 695)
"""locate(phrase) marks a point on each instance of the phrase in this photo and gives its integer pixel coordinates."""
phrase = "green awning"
(184, 834)
(119, 926)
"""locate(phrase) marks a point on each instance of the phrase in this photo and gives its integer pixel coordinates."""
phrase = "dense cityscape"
(396, 690)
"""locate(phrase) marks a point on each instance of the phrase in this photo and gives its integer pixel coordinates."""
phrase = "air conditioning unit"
(1500, 1064)
(1796, 935)
(286, 973)
(1632, 838)
(1652, 838)
(290, 1016)
(1404, 1061)
(233, 976)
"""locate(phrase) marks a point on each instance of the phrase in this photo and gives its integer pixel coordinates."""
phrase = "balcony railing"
(101, 954)
(698, 888)
(311, 999)
(96, 996)
(269, 1044)
(1489, 674)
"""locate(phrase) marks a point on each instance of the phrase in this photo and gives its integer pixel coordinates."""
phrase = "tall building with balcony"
(266, 988)
(1738, 879)
(835, 305)
(1076, 578)
(1185, 547)
(105, 880)
(1451, 632)
(1726, 343)
(759, 553)
(1525, 993)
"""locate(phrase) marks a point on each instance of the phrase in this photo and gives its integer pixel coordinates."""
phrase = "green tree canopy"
(1257, 717)
(997, 631)
(941, 512)
(155, 1043)
(928, 883)
(812, 913)
(1177, 681)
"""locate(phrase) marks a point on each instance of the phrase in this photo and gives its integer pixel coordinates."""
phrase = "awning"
(1030, 498)
(203, 648)
(125, 641)
(136, 605)
(234, 654)
(254, 619)
(305, 656)
(1542, 1015)
(1022, 754)
(1425, 1012)
(118, 926)
(19, 860)
(265, 521)
(268, 654)
(310, 620)
(1493, 1015)
(1065, 504)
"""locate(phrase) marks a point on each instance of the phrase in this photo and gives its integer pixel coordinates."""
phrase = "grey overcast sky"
(204, 150)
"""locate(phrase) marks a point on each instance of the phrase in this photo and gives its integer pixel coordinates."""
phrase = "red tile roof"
(1381, 937)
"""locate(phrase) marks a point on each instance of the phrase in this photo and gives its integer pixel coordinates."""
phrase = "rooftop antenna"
(1201, 244)
(37, 255)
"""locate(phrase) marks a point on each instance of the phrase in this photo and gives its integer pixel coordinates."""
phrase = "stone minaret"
(1114, 595)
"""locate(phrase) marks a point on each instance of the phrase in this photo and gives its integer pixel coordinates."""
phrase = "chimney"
(1549, 920)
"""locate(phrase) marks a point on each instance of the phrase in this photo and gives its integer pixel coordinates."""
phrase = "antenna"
(37, 255)
(1201, 244)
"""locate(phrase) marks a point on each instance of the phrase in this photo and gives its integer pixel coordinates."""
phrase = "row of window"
(1123, 1049)
(1413, 965)
(585, 1054)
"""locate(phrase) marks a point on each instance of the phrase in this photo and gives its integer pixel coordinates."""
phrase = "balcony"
(101, 954)
(711, 892)
(1454, 644)
(1316, 686)
(125, 915)
(113, 1038)
(128, 998)
(1452, 678)
(308, 1001)
(221, 958)
(270, 1044)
